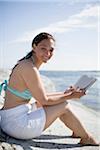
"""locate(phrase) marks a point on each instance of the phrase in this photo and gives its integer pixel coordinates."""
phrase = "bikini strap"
(25, 94)
(3, 86)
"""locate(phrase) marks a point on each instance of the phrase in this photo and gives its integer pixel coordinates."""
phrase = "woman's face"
(44, 50)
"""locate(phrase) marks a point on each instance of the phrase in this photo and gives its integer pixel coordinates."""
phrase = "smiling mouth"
(45, 57)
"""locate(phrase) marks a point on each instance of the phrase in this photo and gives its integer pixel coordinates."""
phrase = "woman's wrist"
(68, 95)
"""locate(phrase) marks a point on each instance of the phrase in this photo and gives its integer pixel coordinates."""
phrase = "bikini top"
(25, 94)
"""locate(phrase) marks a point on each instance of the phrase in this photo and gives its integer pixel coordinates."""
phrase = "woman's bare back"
(16, 82)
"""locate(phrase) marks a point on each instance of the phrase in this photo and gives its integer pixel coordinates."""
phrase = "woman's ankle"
(75, 135)
(83, 136)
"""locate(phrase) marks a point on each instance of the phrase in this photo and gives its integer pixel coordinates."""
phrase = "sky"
(73, 23)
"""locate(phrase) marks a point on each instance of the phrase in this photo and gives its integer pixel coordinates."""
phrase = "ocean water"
(63, 79)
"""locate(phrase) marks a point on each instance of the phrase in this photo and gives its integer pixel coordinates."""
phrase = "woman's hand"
(75, 92)
(78, 93)
(70, 89)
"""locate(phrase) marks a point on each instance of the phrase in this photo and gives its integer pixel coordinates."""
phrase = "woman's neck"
(36, 62)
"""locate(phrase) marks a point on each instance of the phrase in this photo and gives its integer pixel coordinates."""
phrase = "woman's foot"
(86, 141)
(89, 141)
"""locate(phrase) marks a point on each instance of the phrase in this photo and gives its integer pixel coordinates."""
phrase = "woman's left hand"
(70, 89)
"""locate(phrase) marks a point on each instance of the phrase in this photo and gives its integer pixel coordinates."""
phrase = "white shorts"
(24, 121)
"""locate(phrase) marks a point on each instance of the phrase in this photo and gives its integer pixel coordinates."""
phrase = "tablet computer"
(84, 82)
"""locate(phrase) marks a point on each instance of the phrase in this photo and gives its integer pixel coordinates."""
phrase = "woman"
(24, 119)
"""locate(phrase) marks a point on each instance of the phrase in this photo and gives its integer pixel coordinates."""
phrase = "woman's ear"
(34, 46)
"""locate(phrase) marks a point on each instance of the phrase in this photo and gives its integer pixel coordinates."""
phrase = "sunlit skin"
(43, 51)
(54, 104)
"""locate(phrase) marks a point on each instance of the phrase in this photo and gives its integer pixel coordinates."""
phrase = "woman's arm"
(34, 83)
(74, 94)
(54, 93)
(60, 93)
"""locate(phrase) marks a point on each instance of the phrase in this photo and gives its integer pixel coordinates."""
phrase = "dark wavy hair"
(37, 39)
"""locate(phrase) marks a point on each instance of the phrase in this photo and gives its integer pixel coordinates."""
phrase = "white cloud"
(87, 18)
(90, 12)
(73, 2)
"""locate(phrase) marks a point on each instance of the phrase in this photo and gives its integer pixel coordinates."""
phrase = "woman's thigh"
(53, 112)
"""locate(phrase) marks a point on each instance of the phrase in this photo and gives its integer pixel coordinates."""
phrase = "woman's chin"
(45, 61)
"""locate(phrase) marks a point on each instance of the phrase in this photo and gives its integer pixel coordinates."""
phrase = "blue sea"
(63, 79)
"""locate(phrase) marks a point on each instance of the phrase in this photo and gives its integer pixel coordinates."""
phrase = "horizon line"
(56, 70)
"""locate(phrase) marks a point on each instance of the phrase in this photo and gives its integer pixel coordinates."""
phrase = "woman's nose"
(48, 53)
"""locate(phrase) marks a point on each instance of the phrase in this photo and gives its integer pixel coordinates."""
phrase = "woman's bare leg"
(66, 116)
(53, 112)
(71, 121)
(63, 111)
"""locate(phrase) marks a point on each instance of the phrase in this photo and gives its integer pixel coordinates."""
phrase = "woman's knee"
(66, 106)
(56, 110)
(67, 111)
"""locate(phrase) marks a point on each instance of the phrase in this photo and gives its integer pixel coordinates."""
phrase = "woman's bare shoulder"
(24, 64)
(26, 67)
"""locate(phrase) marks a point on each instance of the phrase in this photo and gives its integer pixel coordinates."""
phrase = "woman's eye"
(51, 50)
(43, 49)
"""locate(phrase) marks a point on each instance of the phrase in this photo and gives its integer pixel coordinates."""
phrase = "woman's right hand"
(78, 93)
